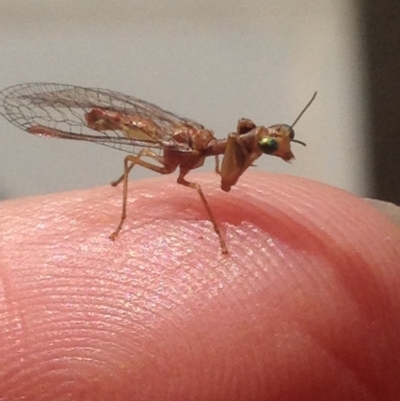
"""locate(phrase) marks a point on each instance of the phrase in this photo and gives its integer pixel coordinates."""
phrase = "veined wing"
(90, 114)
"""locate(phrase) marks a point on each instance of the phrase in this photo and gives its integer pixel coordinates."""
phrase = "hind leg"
(130, 162)
(143, 153)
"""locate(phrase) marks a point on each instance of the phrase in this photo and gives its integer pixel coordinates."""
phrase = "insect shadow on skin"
(146, 132)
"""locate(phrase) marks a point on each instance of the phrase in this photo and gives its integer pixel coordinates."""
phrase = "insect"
(154, 138)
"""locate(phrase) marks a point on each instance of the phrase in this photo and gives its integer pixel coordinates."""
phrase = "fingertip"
(310, 285)
(390, 210)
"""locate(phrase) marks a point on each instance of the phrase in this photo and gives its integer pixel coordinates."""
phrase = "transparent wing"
(90, 114)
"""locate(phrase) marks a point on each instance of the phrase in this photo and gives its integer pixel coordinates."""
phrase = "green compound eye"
(268, 145)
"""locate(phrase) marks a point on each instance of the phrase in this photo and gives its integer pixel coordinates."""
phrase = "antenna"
(299, 116)
(297, 141)
(304, 110)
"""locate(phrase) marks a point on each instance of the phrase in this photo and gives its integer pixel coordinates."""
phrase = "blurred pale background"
(214, 61)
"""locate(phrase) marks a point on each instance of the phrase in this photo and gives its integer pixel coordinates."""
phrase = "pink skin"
(305, 307)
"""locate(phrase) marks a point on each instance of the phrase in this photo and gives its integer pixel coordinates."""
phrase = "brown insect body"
(193, 140)
(145, 131)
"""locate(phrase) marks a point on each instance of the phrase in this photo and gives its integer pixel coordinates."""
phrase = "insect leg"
(143, 153)
(181, 180)
(217, 167)
(129, 162)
